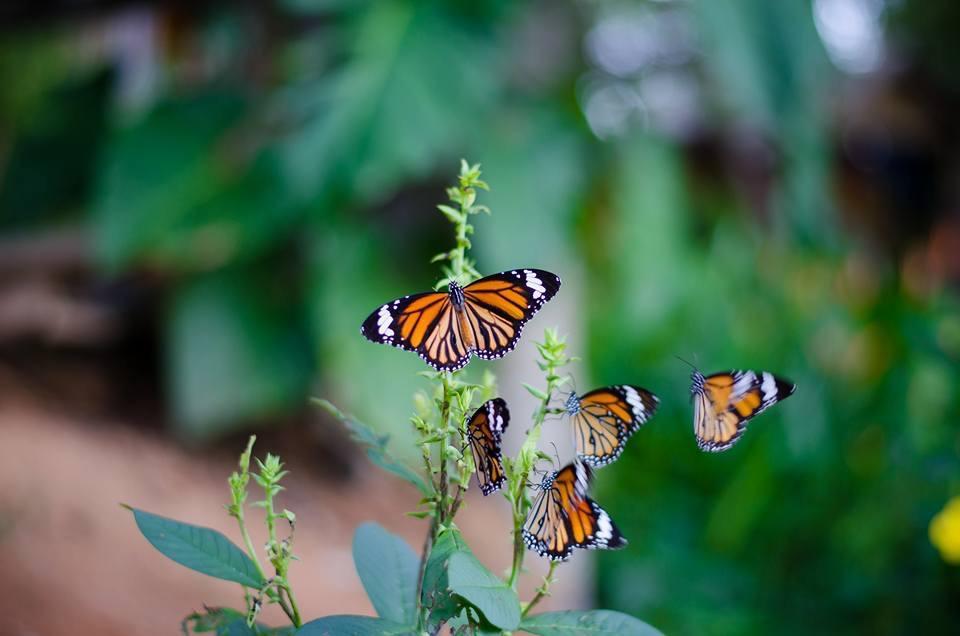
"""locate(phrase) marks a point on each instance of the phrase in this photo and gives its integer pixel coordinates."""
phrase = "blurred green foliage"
(279, 179)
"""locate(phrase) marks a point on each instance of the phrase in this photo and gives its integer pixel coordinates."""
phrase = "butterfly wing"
(563, 517)
(729, 400)
(484, 434)
(607, 418)
(496, 307)
(424, 323)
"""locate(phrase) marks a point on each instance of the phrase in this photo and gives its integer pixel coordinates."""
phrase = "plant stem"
(241, 521)
(543, 590)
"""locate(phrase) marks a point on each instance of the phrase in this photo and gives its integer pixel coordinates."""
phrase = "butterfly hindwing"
(604, 419)
(563, 517)
(485, 318)
(724, 403)
(484, 434)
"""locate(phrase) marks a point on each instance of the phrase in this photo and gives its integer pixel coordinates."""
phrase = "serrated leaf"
(201, 549)
(350, 625)
(388, 569)
(493, 598)
(590, 623)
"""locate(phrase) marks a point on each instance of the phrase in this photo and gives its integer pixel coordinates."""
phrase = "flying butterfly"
(724, 402)
(564, 518)
(604, 419)
(484, 318)
(484, 433)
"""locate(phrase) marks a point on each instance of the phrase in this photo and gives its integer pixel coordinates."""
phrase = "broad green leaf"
(225, 621)
(594, 622)
(388, 569)
(201, 549)
(416, 76)
(349, 625)
(497, 602)
(376, 447)
(436, 595)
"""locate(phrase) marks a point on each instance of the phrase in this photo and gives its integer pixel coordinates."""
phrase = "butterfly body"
(484, 434)
(605, 418)
(724, 402)
(484, 318)
(563, 517)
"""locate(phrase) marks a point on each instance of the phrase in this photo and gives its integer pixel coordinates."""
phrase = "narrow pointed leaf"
(201, 549)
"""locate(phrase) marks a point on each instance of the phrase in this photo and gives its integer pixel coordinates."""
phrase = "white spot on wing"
(633, 399)
(535, 284)
(744, 382)
(384, 320)
(769, 387)
(604, 528)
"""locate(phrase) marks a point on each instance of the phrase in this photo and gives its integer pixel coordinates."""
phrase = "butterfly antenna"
(690, 364)
(556, 454)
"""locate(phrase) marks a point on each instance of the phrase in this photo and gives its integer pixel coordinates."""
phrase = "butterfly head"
(696, 382)
(572, 405)
(456, 294)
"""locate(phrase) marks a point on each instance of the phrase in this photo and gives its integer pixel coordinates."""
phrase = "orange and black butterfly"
(484, 434)
(564, 518)
(724, 402)
(604, 419)
(484, 318)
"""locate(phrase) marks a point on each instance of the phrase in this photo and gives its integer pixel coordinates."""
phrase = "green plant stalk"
(521, 503)
(280, 564)
(543, 590)
(460, 270)
(553, 357)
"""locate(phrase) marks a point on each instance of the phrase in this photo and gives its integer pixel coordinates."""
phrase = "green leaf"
(436, 595)
(497, 602)
(201, 549)
(535, 392)
(226, 621)
(416, 72)
(388, 569)
(594, 622)
(349, 625)
(376, 447)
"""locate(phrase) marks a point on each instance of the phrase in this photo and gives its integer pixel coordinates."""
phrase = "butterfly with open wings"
(724, 402)
(484, 318)
(604, 419)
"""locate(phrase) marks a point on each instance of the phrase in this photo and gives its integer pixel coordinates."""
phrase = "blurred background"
(200, 202)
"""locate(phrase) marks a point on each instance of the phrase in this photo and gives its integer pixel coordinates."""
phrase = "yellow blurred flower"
(945, 531)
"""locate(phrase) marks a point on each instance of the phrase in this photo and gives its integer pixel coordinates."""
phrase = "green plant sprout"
(445, 585)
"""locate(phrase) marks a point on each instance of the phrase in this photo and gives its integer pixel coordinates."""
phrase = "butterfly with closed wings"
(724, 402)
(563, 517)
(484, 434)
(484, 318)
(604, 419)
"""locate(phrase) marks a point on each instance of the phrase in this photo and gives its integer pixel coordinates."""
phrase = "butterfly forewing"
(724, 403)
(487, 322)
(604, 419)
(484, 434)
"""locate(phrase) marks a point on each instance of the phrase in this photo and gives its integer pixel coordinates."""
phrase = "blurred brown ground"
(74, 562)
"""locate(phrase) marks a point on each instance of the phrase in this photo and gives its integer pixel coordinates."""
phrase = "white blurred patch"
(852, 32)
